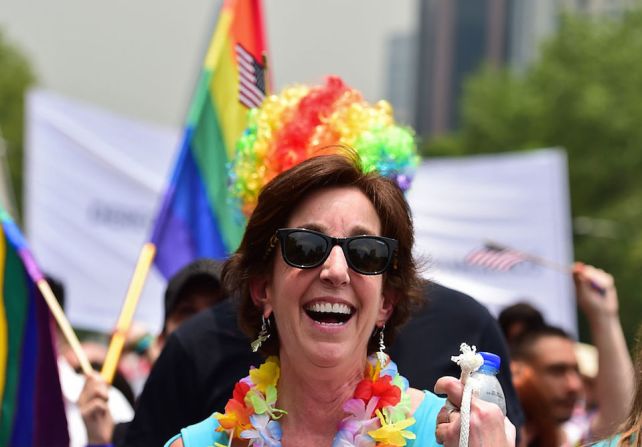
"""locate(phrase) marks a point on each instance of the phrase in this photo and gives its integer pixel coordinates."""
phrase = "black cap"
(201, 269)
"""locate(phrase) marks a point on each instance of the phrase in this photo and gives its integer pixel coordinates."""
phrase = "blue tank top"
(204, 433)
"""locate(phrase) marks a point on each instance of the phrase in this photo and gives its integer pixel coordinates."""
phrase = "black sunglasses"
(306, 249)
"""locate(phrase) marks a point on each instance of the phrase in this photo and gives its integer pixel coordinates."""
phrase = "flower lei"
(378, 414)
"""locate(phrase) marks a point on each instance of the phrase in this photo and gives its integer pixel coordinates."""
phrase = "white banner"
(93, 182)
(520, 200)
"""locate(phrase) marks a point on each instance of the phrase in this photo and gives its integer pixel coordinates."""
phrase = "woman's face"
(326, 314)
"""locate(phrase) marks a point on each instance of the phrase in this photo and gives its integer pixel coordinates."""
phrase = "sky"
(141, 59)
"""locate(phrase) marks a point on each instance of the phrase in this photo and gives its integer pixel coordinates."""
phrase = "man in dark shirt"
(202, 360)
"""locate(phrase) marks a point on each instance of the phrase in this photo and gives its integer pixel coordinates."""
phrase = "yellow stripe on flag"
(220, 37)
(224, 93)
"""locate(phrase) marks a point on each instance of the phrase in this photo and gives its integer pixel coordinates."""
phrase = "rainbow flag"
(33, 410)
(196, 218)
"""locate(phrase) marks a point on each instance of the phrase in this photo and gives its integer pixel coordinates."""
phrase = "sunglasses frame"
(391, 244)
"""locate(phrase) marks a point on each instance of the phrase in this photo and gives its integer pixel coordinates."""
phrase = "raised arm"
(597, 297)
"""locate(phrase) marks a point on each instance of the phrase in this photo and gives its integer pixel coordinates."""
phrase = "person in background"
(548, 355)
(191, 290)
(194, 288)
(519, 318)
(614, 381)
(116, 405)
(629, 434)
(543, 362)
(451, 317)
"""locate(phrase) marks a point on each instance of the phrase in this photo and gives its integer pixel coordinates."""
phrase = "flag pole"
(16, 238)
(126, 317)
(64, 325)
(149, 249)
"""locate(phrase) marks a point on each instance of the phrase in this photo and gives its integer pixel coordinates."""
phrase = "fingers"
(447, 431)
(592, 277)
(94, 409)
(488, 426)
(95, 388)
(452, 387)
(510, 431)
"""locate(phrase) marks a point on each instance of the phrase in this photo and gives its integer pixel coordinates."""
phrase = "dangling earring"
(381, 355)
(264, 334)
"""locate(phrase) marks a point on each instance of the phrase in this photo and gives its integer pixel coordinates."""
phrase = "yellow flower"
(372, 371)
(267, 374)
(392, 434)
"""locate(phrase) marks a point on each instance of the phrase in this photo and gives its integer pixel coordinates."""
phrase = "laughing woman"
(325, 276)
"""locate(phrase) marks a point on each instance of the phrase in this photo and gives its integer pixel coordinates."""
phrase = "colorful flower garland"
(377, 415)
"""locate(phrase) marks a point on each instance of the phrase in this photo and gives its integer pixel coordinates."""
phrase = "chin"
(328, 355)
(563, 416)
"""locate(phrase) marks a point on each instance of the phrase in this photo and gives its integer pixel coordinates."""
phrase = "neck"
(314, 397)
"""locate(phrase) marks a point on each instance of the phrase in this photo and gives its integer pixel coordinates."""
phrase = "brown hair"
(255, 255)
(522, 347)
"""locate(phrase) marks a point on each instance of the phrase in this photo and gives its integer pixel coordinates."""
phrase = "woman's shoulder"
(426, 405)
(203, 434)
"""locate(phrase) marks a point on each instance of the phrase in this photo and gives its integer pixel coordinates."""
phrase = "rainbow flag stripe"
(33, 411)
(197, 218)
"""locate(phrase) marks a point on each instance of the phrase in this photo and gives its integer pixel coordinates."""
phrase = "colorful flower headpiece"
(305, 121)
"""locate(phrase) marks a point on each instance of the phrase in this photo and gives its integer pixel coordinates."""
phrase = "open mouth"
(329, 313)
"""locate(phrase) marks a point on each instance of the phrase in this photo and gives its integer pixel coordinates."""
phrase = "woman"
(325, 276)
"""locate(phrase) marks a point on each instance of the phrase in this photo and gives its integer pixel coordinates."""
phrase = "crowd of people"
(319, 331)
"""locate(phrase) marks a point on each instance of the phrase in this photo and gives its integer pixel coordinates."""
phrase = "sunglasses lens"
(368, 255)
(304, 249)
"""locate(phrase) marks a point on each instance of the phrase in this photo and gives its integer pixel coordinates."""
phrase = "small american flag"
(251, 78)
(495, 257)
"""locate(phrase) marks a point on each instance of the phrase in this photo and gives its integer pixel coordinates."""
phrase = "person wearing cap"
(192, 289)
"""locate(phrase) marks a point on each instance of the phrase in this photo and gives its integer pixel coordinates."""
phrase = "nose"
(574, 381)
(335, 269)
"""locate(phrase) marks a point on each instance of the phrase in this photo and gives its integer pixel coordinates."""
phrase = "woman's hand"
(488, 426)
(95, 410)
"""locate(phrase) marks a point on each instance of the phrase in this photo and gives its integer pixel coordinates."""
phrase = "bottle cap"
(492, 360)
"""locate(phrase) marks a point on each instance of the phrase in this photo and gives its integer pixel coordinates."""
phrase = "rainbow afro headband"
(305, 121)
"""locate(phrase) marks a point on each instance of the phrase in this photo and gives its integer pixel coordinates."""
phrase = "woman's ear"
(259, 294)
(389, 299)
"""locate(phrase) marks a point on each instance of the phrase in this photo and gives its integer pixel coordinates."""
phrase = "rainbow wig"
(305, 121)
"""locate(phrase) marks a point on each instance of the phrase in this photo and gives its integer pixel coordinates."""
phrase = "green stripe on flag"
(201, 96)
(211, 157)
(15, 303)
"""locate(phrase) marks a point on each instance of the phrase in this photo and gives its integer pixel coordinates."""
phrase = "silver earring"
(264, 334)
(381, 355)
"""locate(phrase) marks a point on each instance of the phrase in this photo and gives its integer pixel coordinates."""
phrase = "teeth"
(335, 308)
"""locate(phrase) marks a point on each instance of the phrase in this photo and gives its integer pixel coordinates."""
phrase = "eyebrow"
(356, 231)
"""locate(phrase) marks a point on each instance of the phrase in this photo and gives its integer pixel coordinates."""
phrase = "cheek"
(370, 288)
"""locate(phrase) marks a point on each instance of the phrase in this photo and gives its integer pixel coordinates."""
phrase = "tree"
(582, 94)
(16, 77)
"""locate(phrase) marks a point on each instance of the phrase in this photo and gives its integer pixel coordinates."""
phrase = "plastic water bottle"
(486, 376)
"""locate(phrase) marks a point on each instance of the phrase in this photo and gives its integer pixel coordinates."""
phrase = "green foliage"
(583, 94)
(15, 78)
